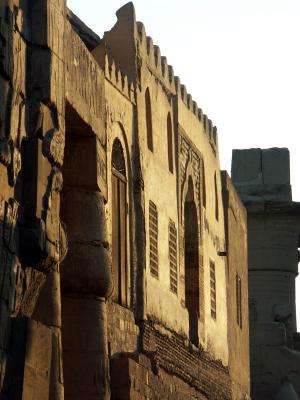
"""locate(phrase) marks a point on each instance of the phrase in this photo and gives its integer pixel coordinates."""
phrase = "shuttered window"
(173, 257)
(153, 238)
(213, 291)
(119, 235)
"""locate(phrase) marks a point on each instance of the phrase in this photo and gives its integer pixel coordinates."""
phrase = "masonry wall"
(195, 149)
(44, 96)
(31, 156)
(70, 124)
(161, 189)
(211, 228)
(237, 273)
(261, 177)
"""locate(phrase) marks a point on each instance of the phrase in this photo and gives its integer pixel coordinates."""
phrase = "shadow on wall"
(298, 302)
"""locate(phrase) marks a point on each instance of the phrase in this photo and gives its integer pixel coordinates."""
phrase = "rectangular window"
(173, 257)
(213, 291)
(153, 239)
(239, 316)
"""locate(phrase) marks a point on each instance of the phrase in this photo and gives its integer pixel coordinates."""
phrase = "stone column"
(40, 233)
(86, 283)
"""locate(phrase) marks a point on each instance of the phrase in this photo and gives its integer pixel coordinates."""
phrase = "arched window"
(149, 120)
(119, 229)
(216, 199)
(170, 142)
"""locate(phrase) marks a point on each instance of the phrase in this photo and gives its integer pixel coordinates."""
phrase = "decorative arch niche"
(119, 223)
(191, 262)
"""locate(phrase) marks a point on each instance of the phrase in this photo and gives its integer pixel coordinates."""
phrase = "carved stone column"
(41, 237)
(86, 283)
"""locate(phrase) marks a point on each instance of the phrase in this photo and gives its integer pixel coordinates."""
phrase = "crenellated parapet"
(113, 72)
(156, 62)
(121, 81)
(186, 98)
(158, 65)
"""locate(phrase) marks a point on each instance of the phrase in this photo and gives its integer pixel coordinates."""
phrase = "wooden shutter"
(119, 239)
(173, 257)
(153, 239)
(115, 236)
(122, 230)
(213, 290)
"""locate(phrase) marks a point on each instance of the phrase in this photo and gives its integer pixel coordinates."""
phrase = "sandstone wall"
(73, 119)
(263, 181)
(237, 274)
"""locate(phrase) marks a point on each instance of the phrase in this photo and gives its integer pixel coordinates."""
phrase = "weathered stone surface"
(262, 175)
(237, 273)
(37, 362)
(246, 166)
(276, 166)
(268, 333)
(273, 240)
(81, 314)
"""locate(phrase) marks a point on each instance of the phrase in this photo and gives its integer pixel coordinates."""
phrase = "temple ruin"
(262, 179)
(123, 247)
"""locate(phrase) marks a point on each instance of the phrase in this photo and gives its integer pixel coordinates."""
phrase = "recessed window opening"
(216, 198)
(119, 224)
(203, 187)
(149, 120)
(191, 262)
(170, 142)
(239, 317)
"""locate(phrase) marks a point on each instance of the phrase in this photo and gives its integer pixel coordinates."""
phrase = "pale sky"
(239, 59)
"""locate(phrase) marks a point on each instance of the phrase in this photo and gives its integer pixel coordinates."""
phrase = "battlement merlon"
(159, 66)
(127, 43)
(113, 72)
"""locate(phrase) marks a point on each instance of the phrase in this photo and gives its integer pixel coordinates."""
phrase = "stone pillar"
(40, 233)
(262, 179)
(86, 283)
(48, 312)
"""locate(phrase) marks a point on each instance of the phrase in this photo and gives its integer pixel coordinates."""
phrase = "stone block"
(19, 73)
(267, 333)
(37, 362)
(47, 24)
(276, 166)
(246, 166)
(39, 81)
(6, 49)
